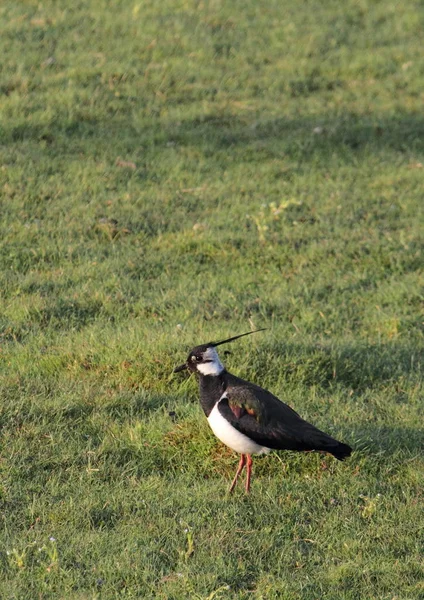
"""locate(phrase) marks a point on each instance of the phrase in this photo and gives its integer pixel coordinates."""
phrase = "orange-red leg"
(249, 472)
(239, 470)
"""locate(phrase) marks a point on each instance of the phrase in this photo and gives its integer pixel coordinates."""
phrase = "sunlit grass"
(177, 172)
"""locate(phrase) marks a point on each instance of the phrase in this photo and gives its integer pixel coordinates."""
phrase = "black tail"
(341, 451)
(315, 439)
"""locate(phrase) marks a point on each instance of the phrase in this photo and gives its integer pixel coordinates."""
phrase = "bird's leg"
(239, 470)
(249, 472)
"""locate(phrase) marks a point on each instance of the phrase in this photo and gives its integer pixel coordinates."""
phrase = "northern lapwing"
(249, 419)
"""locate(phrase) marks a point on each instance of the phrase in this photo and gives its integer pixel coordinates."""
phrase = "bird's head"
(204, 359)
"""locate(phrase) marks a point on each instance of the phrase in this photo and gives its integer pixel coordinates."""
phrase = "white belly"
(232, 438)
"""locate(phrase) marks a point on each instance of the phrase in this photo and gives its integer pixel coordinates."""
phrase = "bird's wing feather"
(261, 416)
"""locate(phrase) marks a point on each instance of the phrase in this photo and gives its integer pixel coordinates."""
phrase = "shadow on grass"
(129, 406)
(349, 131)
(318, 137)
(388, 439)
(358, 367)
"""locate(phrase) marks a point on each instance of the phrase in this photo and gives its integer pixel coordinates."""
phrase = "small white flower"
(52, 539)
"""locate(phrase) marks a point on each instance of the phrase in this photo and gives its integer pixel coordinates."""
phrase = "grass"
(176, 172)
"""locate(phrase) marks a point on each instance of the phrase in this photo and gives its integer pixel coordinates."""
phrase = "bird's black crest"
(236, 337)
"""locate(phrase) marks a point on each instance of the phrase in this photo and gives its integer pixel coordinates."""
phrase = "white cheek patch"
(210, 368)
(214, 366)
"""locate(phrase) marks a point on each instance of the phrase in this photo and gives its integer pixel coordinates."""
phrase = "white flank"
(229, 435)
(214, 367)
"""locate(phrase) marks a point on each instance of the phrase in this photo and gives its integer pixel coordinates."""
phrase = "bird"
(249, 419)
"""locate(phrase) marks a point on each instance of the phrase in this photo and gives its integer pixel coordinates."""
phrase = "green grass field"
(178, 171)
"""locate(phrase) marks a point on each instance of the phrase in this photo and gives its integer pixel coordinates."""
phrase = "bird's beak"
(180, 368)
